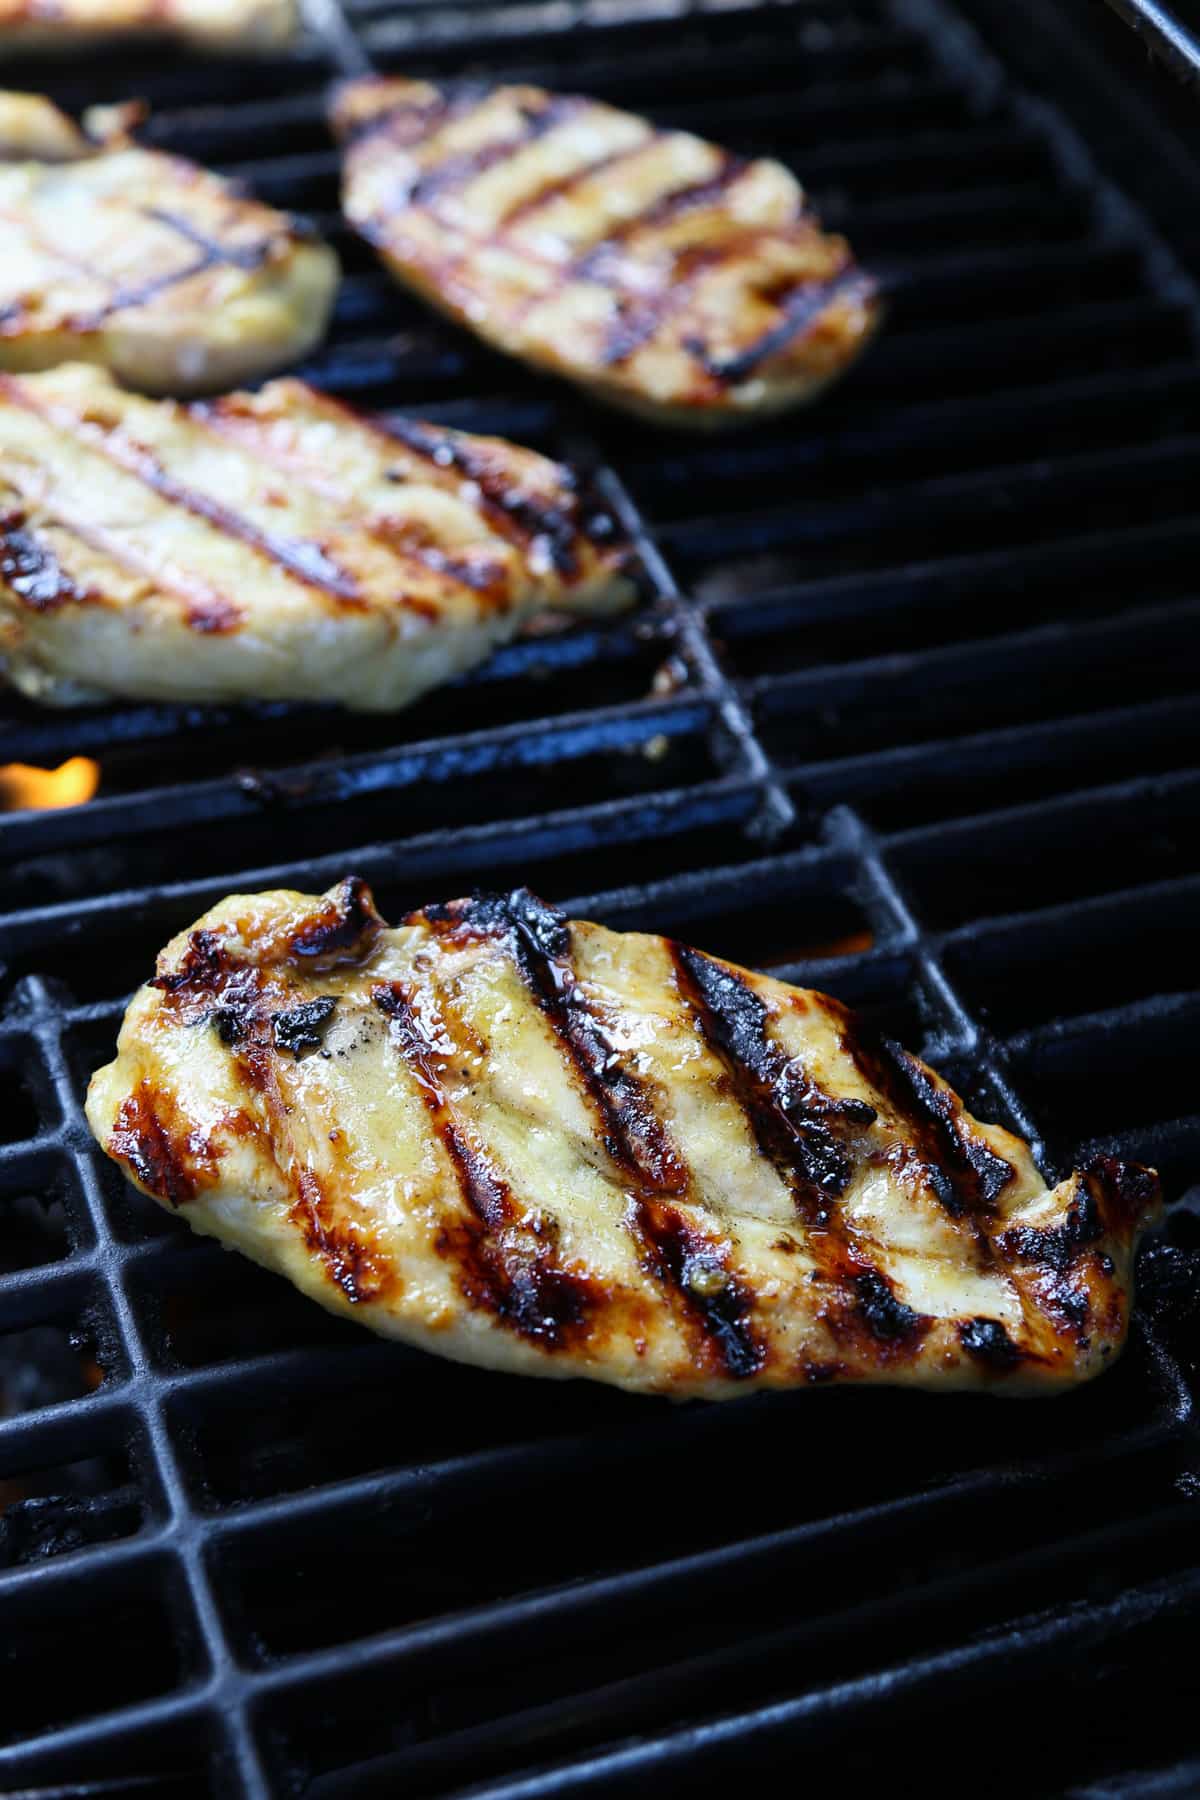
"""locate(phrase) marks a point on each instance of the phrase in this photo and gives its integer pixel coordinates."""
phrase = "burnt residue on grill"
(959, 1166)
(344, 929)
(165, 1153)
(695, 1267)
(538, 939)
(806, 1133)
(505, 1266)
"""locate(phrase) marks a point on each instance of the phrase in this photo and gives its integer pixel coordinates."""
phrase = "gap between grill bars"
(283, 1597)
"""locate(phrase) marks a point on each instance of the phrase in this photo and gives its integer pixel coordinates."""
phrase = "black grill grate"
(910, 712)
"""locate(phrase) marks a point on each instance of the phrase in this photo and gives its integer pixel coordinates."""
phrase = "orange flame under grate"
(24, 788)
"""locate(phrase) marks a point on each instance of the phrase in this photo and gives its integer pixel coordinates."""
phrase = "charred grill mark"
(345, 929)
(989, 1343)
(963, 1170)
(125, 299)
(1060, 1259)
(590, 265)
(31, 570)
(637, 320)
(517, 514)
(406, 122)
(305, 561)
(1127, 1193)
(214, 618)
(1056, 1247)
(204, 962)
(794, 1123)
(885, 1315)
(560, 186)
(303, 1027)
(454, 172)
(679, 1256)
(538, 939)
(865, 1313)
(484, 574)
(167, 1154)
(506, 1266)
(800, 310)
(213, 252)
(361, 1270)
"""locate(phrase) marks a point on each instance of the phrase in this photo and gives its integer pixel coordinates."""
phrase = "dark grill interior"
(911, 713)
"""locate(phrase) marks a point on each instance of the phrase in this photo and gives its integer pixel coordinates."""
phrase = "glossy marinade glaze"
(541, 1146)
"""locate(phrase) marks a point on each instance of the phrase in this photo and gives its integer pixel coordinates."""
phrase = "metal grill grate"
(911, 713)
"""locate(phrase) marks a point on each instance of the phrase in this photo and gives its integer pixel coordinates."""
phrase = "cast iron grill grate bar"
(736, 776)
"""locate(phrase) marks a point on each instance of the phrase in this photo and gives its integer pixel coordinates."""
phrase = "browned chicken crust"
(546, 1147)
(660, 272)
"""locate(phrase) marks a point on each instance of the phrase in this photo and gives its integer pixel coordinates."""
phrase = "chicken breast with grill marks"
(541, 1146)
(217, 25)
(659, 272)
(271, 546)
(145, 263)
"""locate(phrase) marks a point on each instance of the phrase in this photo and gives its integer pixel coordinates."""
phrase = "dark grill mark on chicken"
(961, 1169)
(887, 1318)
(1124, 1191)
(307, 562)
(504, 1266)
(346, 929)
(563, 185)
(988, 1342)
(31, 569)
(213, 252)
(1057, 1247)
(680, 1256)
(518, 515)
(801, 309)
(794, 1124)
(359, 1270)
(454, 172)
(303, 1027)
(203, 962)
(171, 1158)
(539, 941)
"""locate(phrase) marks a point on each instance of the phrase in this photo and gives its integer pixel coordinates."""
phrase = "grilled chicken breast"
(542, 1146)
(270, 546)
(218, 25)
(145, 263)
(659, 272)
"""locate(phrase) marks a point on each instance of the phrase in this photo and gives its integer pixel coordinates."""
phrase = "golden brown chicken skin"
(656, 270)
(542, 1146)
